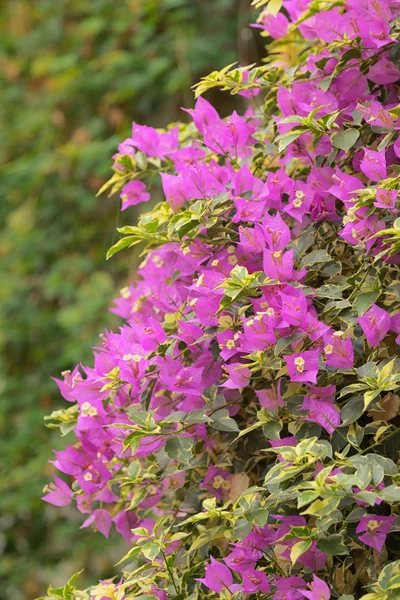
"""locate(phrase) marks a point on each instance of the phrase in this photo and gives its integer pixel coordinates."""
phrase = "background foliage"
(74, 74)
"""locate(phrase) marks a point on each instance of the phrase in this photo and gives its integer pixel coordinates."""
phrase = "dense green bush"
(74, 73)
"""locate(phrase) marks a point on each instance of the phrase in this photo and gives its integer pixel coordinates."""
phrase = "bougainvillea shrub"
(241, 429)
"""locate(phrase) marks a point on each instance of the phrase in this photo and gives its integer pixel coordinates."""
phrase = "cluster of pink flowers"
(180, 341)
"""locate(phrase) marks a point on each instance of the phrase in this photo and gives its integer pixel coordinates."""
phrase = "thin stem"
(169, 571)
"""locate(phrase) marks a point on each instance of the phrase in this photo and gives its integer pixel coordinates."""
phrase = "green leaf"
(387, 464)
(272, 430)
(223, 422)
(330, 291)
(242, 528)
(353, 387)
(139, 494)
(390, 494)
(207, 536)
(147, 394)
(315, 257)
(321, 508)
(180, 448)
(364, 300)
(333, 544)
(196, 416)
(368, 371)
(344, 140)
(352, 410)
(132, 553)
(298, 549)
(124, 242)
(283, 472)
(305, 498)
(301, 532)
(175, 417)
(389, 577)
(258, 516)
(283, 343)
(285, 140)
(253, 427)
(378, 472)
(150, 550)
(273, 7)
(369, 498)
(67, 592)
(369, 397)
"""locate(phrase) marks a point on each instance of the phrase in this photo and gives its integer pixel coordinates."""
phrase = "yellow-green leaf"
(298, 549)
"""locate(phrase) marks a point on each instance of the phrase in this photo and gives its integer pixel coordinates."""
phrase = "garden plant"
(241, 430)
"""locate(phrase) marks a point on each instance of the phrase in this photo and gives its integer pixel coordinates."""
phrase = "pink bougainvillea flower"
(255, 581)
(375, 530)
(276, 232)
(313, 328)
(319, 590)
(124, 523)
(70, 461)
(68, 384)
(278, 265)
(323, 413)
(395, 326)
(239, 376)
(152, 142)
(217, 481)
(258, 332)
(386, 199)
(203, 114)
(159, 594)
(344, 186)
(271, 399)
(174, 190)
(217, 576)
(101, 519)
(243, 559)
(134, 193)
(338, 352)
(320, 394)
(373, 164)
(178, 378)
(93, 478)
(252, 238)
(374, 113)
(299, 201)
(277, 184)
(58, 493)
(275, 25)
(330, 29)
(294, 307)
(375, 324)
(84, 504)
(288, 588)
(287, 441)
(383, 71)
(303, 366)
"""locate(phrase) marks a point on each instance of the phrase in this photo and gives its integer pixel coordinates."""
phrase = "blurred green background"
(74, 74)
